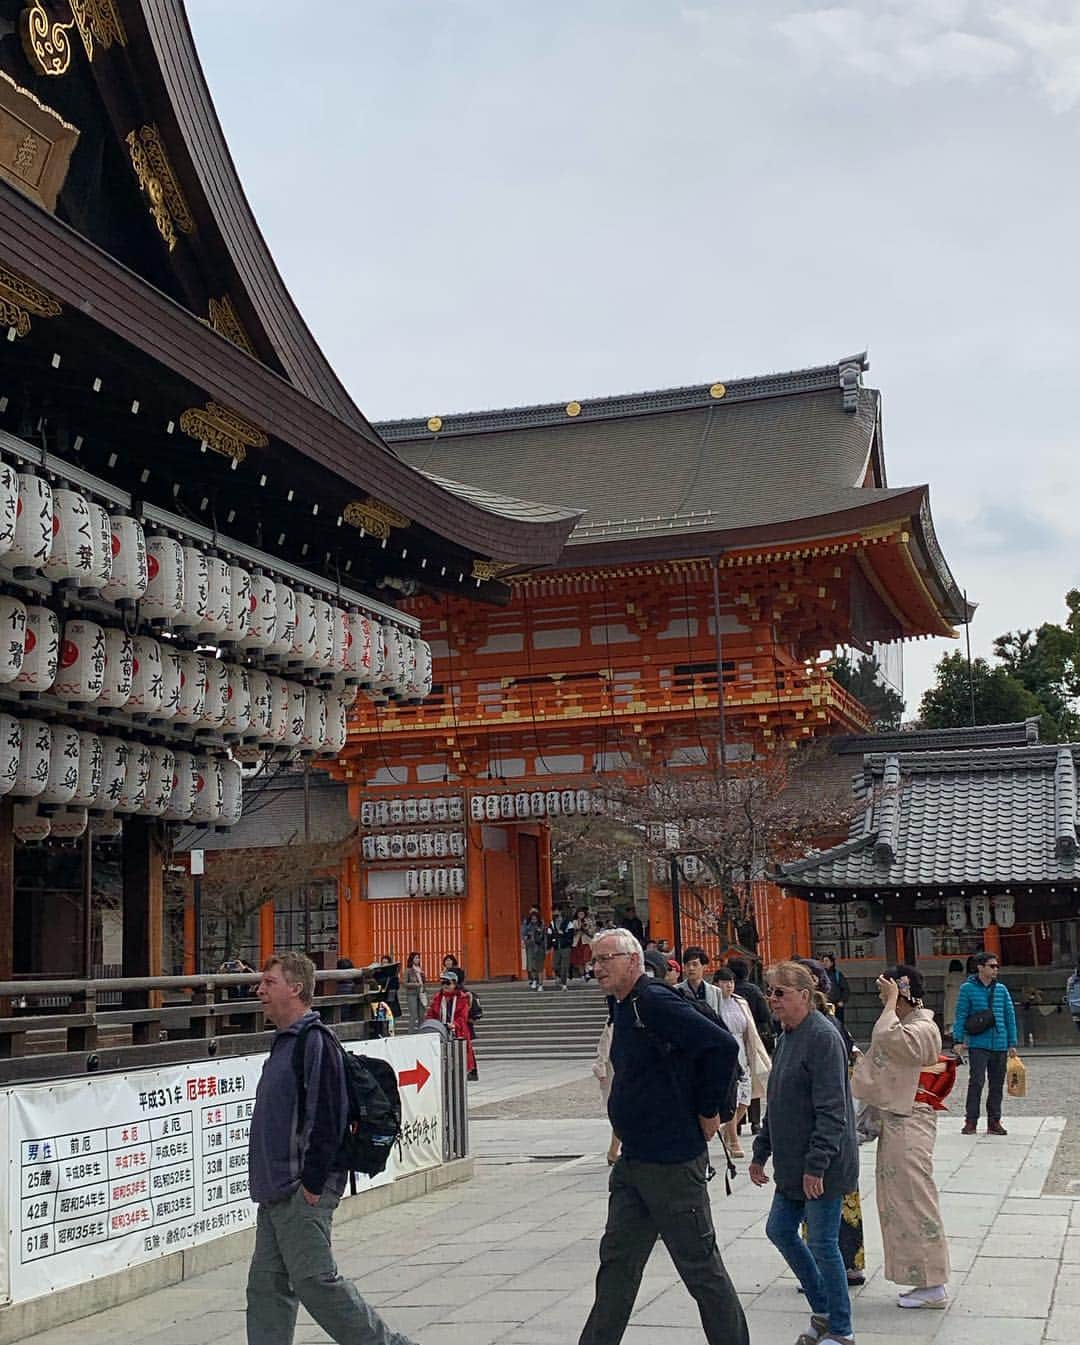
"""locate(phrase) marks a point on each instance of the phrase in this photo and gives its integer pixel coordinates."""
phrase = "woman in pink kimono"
(906, 1041)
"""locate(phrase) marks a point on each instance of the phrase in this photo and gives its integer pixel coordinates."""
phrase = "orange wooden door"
(503, 920)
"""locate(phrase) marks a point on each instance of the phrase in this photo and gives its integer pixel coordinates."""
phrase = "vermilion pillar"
(992, 940)
(266, 932)
(473, 943)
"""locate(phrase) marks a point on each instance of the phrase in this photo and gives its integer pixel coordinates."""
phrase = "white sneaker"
(935, 1296)
(539, 989)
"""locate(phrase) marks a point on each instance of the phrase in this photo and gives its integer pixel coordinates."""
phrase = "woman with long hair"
(414, 990)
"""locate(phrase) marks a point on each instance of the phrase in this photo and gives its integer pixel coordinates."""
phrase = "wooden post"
(142, 870)
(473, 942)
(992, 940)
(266, 932)
(7, 897)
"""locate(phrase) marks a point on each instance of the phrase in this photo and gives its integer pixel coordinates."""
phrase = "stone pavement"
(509, 1258)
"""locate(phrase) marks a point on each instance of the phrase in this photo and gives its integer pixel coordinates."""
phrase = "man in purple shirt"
(292, 1177)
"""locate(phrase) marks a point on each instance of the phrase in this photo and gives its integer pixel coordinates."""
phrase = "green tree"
(999, 697)
(863, 681)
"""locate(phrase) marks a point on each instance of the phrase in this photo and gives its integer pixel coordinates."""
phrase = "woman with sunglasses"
(809, 1132)
(906, 1041)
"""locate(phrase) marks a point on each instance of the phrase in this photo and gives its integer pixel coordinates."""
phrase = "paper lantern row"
(74, 541)
(414, 845)
(435, 882)
(395, 812)
(999, 910)
(68, 770)
(550, 803)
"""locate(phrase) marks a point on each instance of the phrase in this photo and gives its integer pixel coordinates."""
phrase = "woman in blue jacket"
(986, 1024)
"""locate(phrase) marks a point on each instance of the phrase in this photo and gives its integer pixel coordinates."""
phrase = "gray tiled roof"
(1023, 733)
(946, 819)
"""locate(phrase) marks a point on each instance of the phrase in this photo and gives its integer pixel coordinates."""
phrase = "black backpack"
(373, 1111)
(729, 1104)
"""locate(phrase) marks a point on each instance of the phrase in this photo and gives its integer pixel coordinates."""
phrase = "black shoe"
(472, 1076)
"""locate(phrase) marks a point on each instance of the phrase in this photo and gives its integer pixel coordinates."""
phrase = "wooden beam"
(143, 885)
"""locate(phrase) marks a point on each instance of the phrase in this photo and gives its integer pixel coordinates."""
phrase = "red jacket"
(459, 1026)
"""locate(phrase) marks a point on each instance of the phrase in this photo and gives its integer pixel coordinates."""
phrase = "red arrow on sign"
(418, 1076)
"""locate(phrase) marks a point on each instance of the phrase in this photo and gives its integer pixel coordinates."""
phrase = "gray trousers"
(670, 1201)
(560, 958)
(293, 1264)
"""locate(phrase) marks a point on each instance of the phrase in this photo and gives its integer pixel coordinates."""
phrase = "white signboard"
(109, 1171)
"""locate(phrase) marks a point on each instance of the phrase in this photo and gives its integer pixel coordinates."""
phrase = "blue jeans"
(817, 1263)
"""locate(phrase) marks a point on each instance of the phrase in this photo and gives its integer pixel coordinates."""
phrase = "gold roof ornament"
(435, 424)
(226, 432)
(45, 43)
(485, 570)
(19, 298)
(717, 391)
(373, 516)
(223, 319)
(573, 408)
(157, 179)
(99, 21)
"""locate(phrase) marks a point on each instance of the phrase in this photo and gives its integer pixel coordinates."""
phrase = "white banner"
(111, 1170)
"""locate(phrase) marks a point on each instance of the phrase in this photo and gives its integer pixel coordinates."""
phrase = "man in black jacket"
(672, 1068)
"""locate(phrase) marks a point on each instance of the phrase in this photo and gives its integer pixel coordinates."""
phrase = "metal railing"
(455, 1068)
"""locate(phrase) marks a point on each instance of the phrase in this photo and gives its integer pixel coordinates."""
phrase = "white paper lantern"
(412, 845)
(182, 798)
(262, 613)
(397, 846)
(218, 600)
(397, 812)
(476, 808)
(217, 692)
(261, 706)
(35, 749)
(238, 701)
(457, 881)
(411, 813)
(285, 627)
(424, 810)
(41, 650)
(81, 674)
(491, 808)
(442, 882)
(10, 747)
(1005, 911)
(442, 845)
(9, 506)
(427, 883)
(12, 638)
(440, 809)
(32, 544)
(279, 710)
(209, 799)
(63, 766)
(367, 813)
(232, 793)
(192, 688)
(358, 648)
(457, 844)
(88, 790)
(367, 848)
(393, 673)
(422, 671)
(172, 673)
(194, 606)
(119, 669)
(552, 803)
(163, 602)
(130, 575)
(71, 557)
(239, 604)
(412, 882)
(980, 911)
(409, 667)
(101, 539)
(506, 806)
(376, 687)
(114, 763)
(68, 824)
(427, 845)
(323, 658)
(136, 780)
(296, 717)
(382, 847)
(337, 726)
(584, 803)
(339, 622)
(315, 713)
(568, 802)
(304, 640)
(536, 804)
(160, 784)
(29, 824)
(454, 809)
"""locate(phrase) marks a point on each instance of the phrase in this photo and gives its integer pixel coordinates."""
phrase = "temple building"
(745, 525)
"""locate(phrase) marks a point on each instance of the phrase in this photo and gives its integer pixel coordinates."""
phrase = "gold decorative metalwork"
(226, 432)
(157, 179)
(435, 424)
(27, 152)
(224, 321)
(36, 144)
(717, 390)
(373, 516)
(19, 298)
(489, 569)
(98, 21)
(46, 44)
(573, 408)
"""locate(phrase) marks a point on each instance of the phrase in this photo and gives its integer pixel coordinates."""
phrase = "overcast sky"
(485, 203)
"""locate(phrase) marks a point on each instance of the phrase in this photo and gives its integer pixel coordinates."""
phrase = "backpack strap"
(299, 1059)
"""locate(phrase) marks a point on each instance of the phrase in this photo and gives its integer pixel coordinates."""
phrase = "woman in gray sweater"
(809, 1133)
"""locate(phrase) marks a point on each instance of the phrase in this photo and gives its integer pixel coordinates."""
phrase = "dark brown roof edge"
(79, 274)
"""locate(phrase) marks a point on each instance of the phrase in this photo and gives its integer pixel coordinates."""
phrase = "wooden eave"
(78, 274)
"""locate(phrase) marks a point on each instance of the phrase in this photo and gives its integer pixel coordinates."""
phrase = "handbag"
(1016, 1077)
(982, 1020)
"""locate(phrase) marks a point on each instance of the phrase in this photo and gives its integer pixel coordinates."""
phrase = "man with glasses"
(672, 1070)
(986, 1022)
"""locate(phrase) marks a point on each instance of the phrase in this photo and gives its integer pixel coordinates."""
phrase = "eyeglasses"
(775, 991)
(608, 957)
(991, 966)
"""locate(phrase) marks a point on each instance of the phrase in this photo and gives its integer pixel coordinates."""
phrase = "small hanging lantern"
(358, 648)
(367, 813)
(584, 803)
(10, 748)
(506, 806)
(521, 805)
(12, 637)
(35, 749)
(9, 506)
(397, 812)
(172, 673)
(182, 797)
(101, 558)
(146, 679)
(397, 846)
(81, 673)
(1005, 911)
(63, 766)
(477, 808)
(337, 725)
(32, 543)
(442, 882)
(160, 784)
(424, 810)
(378, 653)
(119, 669)
(279, 711)
(297, 714)
(412, 882)
(136, 780)
(130, 576)
(194, 608)
(412, 845)
(457, 844)
(41, 650)
(980, 911)
(395, 671)
(237, 702)
(88, 790)
(440, 809)
(442, 845)
(217, 692)
(315, 713)
(339, 619)
(367, 848)
(304, 640)
(491, 808)
(568, 802)
(427, 883)
(163, 602)
(324, 637)
(30, 825)
(457, 882)
(553, 803)
(192, 688)
(218, 600)
(285, 626)
(423, 672)
(261, 706)
(232, 793)
(71, 557)
(427, 845)
(239, 604)
(114, 763)
(68, 824)
(454, 809)
(536, 804)
(208, 790)
(262, 613)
